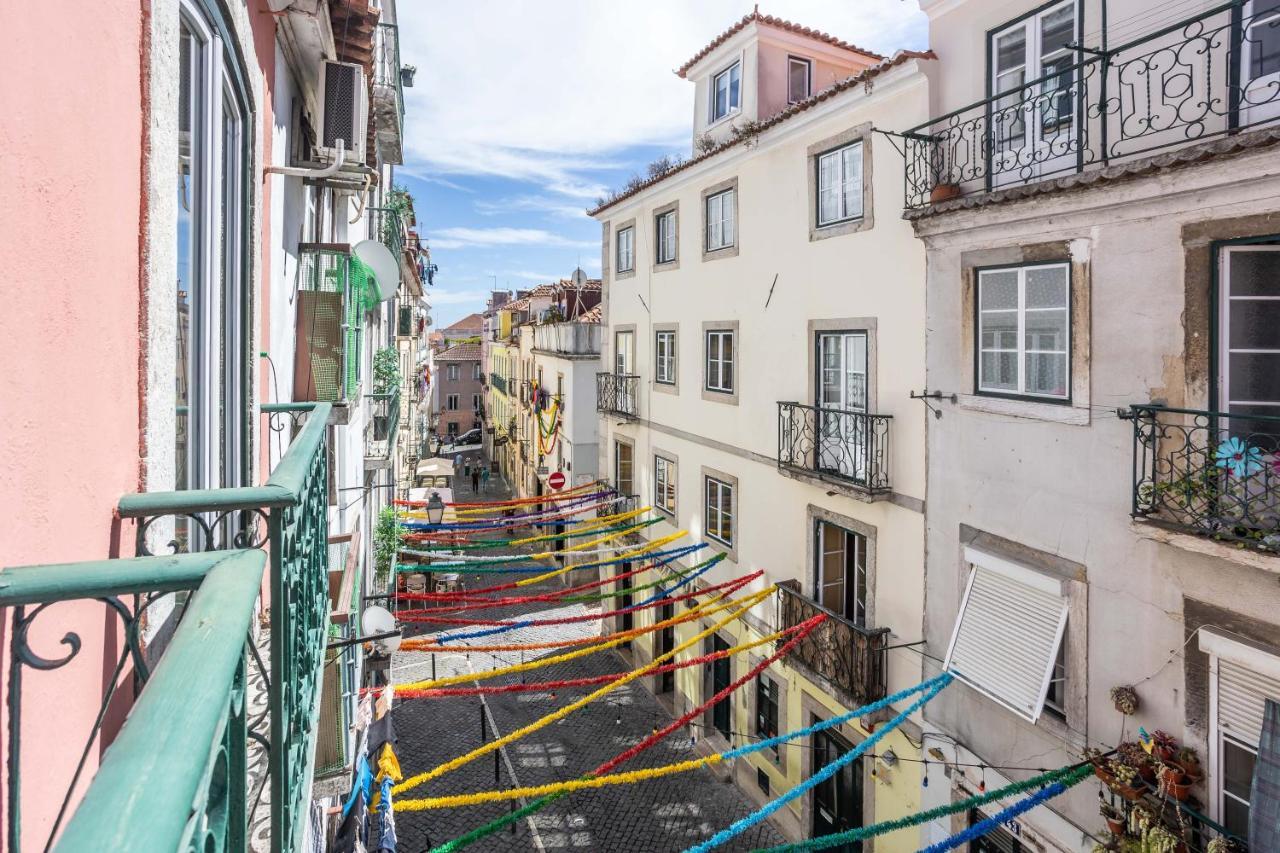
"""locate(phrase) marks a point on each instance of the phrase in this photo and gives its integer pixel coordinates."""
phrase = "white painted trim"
(1021, 574)
(1245, 654)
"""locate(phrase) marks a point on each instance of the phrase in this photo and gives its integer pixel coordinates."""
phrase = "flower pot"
(1133, 795)
(1179, 790)
(1147, 772)
(943, 192)
(1171, 774)
(1116, 826)
(1164, 753)
(1191, 769)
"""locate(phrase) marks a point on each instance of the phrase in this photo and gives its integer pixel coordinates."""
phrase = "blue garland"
(535, 568)
(993, 822)
(471, 525)
(666, 593)
(932, 687)
(525, 623)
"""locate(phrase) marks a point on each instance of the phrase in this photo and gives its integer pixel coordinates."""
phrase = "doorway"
(837, 802)
(721, 716)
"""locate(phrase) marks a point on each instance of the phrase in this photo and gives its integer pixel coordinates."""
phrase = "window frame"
(732, 107)
(629, 232)
(724, 196)
(666, 472)
(664, 356)
(453, 402)
(618, 444)
(663, 242)
(793, 59)
(720, 361)
(838, 151)
(1021, 351)
(861, 578)
(453, 372)
(721, 488)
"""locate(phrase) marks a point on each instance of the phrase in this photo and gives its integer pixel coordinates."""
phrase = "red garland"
(416, 615)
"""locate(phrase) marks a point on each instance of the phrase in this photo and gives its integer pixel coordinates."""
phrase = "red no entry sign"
(556, 481)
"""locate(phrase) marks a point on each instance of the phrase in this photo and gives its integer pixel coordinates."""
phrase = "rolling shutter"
(1007, 632)
(1242, 694)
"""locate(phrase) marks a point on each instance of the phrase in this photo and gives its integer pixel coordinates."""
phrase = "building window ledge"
(1055, 412)
(1157, 531)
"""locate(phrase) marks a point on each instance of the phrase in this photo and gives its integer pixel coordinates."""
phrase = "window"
(476, 373)
(1248, 343)
(451, 402)
(1242, 680)
(766, 708)
(1014, 601)
(799, 77)
(720, 220)
(664, 355)
(212, 242)
(726, 91)
(762, 780)
(719, 374)
(453, 372)
(998, 840)
(840, 184)
(475, 402)
(840, 582)
(664, 484)
(623, 469)
(627, 249)
(1055, 700)
(1024, 330)
(452, 429)
(719, 510)
(665, 228)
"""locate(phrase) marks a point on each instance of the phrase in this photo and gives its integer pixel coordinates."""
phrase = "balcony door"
(1260, 62)
(721, 712)
(840, 576)
(837, 802)
(624, 364)
(842, 390)
(1249, 338)
(1032, 121)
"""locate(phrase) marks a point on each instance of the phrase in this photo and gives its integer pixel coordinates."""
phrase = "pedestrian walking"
(457, 462)
(484, 477)
(475, 479)
(466, 468)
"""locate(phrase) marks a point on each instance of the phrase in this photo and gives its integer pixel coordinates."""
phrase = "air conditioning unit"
(344, 109)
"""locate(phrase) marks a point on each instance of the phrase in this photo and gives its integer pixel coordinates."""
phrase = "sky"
(523, 113)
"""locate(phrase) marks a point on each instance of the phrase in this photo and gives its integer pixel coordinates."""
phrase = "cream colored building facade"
(758, 362)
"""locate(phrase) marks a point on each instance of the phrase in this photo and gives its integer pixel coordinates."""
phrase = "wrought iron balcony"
(382, 419)
(617, 394)
(498, 383)
(386, 225)
(193, 702)
(388, 93)
(1204, 77)
(852, 658)
(1209, 473)
(835, 445)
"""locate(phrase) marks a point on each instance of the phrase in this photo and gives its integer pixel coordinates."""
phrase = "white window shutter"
(1007, 633)
(1242, 695)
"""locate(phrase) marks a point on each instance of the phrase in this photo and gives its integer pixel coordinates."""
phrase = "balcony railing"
(568, 338)
(193, 702)
(388, 92)
(1209, 473)
(335, 289)
(617, 394)
(383, 419)
(386, 225)
(1203, 77)
(498, 383)
(835, 445)
(850, 657)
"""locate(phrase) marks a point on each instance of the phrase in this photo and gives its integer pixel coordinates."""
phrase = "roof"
(595, 315)
(471, 321)
(769, 20)
(808, 103)
(460, 352)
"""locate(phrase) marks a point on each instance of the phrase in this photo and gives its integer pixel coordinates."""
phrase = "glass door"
(841, 396)
(720, 678)
(1260, 62)
(624, 363)
(666, 642)
(837, 802)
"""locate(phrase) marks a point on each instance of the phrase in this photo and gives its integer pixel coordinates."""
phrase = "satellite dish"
(378, 620)
(579, 278)
(386, 269)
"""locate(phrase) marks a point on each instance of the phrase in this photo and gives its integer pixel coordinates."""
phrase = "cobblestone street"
(661, 815)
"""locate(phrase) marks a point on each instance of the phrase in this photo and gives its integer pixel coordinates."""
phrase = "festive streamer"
(504, 626)
(1070, 775)
(559, 514)
(742, 607)
(666, 593)
(649, 546)
(498, 568)
(467, 561)
(412, 526)
(803, 628)
(931, 686)
(580, 529)
(984, 826)
(742, 825)
(707, 608)
(562, 684)
(489, 507)
(540, 516)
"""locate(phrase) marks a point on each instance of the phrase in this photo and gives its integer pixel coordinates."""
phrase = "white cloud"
(531, 203)
(443, 296)
(461, 238)
(548, 92)
(530, 276)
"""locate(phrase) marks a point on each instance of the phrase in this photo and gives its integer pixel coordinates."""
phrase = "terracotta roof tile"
(770, 20)
(595, 315)
(460, 352)
(800, 106)
(471, 321)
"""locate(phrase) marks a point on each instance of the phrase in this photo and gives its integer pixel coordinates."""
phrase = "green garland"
(676, 574)
(1071, 775)
(525, 540)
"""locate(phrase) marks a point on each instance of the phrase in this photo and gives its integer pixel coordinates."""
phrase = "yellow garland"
(745, 605)
(706, 608)
(503, 506)
(626, 555)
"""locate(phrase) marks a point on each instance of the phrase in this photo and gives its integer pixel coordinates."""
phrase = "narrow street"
(666, 815)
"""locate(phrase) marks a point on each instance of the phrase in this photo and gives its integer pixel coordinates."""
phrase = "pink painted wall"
(69, 343)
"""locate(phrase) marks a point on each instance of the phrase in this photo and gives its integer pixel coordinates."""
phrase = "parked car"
(467, 438)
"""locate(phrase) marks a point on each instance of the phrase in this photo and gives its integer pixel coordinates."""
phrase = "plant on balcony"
(386, 370)
(1125, 698)
(386, 544)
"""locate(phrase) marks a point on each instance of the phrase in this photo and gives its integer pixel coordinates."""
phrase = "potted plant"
(386, 376)
(1131, 753)
(1163, 746)
(1189, 761)
(1126, 781)
(1125, 698)
(1114, 818)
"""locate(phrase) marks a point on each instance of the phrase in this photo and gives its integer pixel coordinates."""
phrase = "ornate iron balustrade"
(381, 424)
(835, 445)
(289, 516)
(386, 225)
(617, 394)
(1210, 473)
(498, 383)
(1203, 77)
(852, 658)
(388, 90)
(200, 801)
(623, 503)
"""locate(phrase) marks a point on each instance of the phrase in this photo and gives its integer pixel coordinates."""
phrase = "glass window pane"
(190, 90)
(1047, 287)
(1255, 273)
(852, 181)
(1046, 330)
(1254, 324)
(1237, 769)
(1057, 29)
(1046, 374)
(999, 330)
(797, 80)
(998, 290)
(1011, 50)
(1254, 377)
(999, 371)
(735, 79)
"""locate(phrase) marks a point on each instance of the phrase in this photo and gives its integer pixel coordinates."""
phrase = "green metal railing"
(386, 225)
(382, 424)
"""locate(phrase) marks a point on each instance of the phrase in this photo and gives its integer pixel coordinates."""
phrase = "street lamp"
(435, 508)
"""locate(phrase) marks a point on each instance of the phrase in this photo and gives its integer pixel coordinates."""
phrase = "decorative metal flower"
(1238, 458)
